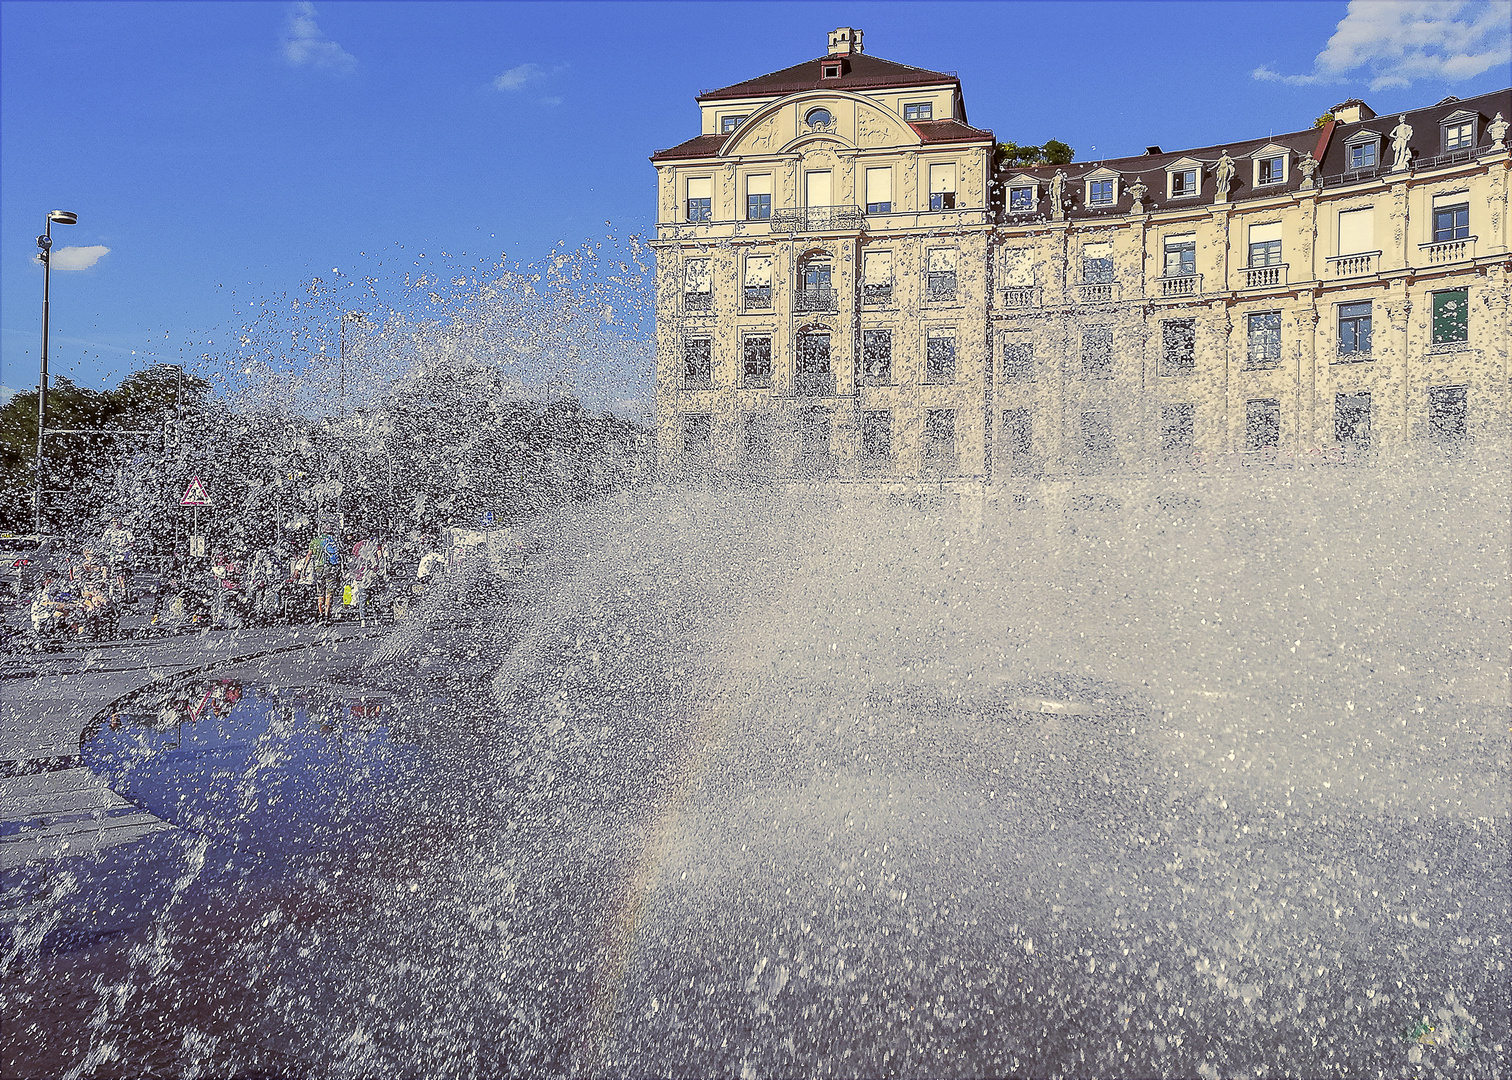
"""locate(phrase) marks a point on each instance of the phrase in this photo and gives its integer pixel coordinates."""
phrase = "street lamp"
(44, 242)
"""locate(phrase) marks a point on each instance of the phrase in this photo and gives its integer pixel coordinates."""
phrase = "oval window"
(818, 117)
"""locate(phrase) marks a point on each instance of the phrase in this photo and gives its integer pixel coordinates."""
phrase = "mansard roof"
(858, 72)
(944, 131)
(696, 147)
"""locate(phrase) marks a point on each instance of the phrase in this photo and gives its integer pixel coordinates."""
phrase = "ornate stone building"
(848, 286)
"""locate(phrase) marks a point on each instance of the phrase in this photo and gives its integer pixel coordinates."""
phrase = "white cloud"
(304, 44)
(517, 77)
(78, 258)
(1393, 43)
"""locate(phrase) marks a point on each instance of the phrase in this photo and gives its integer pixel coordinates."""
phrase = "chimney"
(845, 41)
(1352, 111)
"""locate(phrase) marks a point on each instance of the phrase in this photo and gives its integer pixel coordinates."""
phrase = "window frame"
(935, 286)
(1183, 248)
(1093, 202)
(940, 367)
(1032, 191)
(706, 303)
(1262, 352)
(877, 207)
(871, 454)
(1459, 224)
(705, 211)
(1451, 143)
(1018, 368)
(809, 121)
(918, 111)
(728, 124)
(1438, 396)
(869, 376)
(1349, 331)
(1440, 321)
(1188, 192)
(1096, 359)
(755, 379)
(1359, 145)
(1261, 168)
(1184, 413)
(939, 444)
(1185, 363)
(1262, 424)
(875, 294)
(690, 380)
(698, 420)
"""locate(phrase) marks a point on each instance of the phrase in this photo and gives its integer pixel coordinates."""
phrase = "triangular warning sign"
(196, 496)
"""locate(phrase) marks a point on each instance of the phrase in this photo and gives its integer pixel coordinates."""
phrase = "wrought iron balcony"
(1020, 296)
(698, 301)
(940, 285)
(1098, 292)
(758, 297)
(814, 299)
(1263, 277)
(1181, 285)
(1448, 251)
(877, 294)
(1358, 264)
(819, 219)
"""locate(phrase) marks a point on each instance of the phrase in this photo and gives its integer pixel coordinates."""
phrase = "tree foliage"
(1053, 152)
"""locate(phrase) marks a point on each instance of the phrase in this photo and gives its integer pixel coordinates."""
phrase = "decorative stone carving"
(909, 184)
(1497, 129)
(1138, 190)
(1058, 196)
(971, 188)
(872, 128)
(1400, 151)
(1223, 177)
(1308, 167)
(764, 137)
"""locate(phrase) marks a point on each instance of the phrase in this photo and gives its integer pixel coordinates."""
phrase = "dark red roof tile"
(696, 147)
(938, 131)
(860, 72)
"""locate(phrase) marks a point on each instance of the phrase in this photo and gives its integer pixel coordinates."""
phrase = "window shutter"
(876, 267)
(817, 188)
(1263, 234)
(759, 270)
(942, 178)
(1451, 316)
(942, 261)
(879, 185)
(1357, 231)
(759, 185)
(700, 187)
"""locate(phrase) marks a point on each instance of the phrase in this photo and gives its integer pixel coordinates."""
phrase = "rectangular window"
(816, 188)
(940, 356)
(1017, 267)
(700, 198)
(813, 354)
(1018, 441)
(876, 357)
(1451, 316)
(1448, 413)
(1357, 230)
(1265, 244)
(876, 436)
(1181, 255)
(1097, 352)
(1101, 192)
(757, 349)
(876, 277)
(698, 286)
(1183, 183)
(759, 197)
(919, 110)
(1272, 171)
(1361, 156)
(728, 124)
(757, 289)
(698, 431)
(942, 186)
(1020, 200)
(1451, 222)
(814, 438)
(879, 190)
(1459, 136)
(940, 437)
(1018, 360)
(1264, 344)
(940, 274)
(1352, 420)
(1354, 329)
(1178, 347)
(1097, 264)
(1177, 428)
(758, 439)
(1096, 440)
(698, 362)
(1262, 424)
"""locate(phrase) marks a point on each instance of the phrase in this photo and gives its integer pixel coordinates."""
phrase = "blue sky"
(222, 155)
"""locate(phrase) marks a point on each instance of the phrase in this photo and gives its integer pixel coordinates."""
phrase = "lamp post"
(356, 317)
(44, 242)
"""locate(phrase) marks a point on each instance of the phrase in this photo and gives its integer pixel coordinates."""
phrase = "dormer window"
(1362, 152)
(832, 70)
(1184, 179)
(1459, 136)
(728, 124)
(1020, 200)
(1270, 166)
(918, 110)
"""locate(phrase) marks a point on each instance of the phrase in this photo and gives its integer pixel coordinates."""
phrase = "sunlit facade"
(849, 286)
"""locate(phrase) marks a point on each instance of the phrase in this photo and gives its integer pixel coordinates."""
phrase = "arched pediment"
(858, 123)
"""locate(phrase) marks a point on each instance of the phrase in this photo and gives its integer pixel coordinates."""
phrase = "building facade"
(849, 286)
